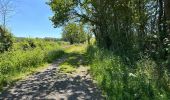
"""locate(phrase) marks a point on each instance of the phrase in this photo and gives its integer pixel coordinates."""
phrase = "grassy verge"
(119, 81)
(17, 64)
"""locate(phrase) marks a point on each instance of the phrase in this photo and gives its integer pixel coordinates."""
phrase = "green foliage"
(62, 10)
(75, 58)
(54, 54)
(74, 33)
(24, 57)
(122, 82)
(6, 40)
(120, 25)
(130, 30)
(52, 39)
(67, 69)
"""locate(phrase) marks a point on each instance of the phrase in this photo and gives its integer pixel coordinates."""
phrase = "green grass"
(116, 78)
(77, 48)
(67, 68)
(119, 81)
(74, 58)
(21, 61)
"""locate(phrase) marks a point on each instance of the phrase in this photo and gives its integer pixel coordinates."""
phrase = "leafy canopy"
(74, 33)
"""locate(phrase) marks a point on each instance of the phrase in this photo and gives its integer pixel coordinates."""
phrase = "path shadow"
(51, 85)
(76, 59)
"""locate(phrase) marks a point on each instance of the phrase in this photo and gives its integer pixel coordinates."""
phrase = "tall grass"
(119, 81)
(21, 60)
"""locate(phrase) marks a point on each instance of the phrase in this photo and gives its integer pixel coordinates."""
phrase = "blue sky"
(32, 20)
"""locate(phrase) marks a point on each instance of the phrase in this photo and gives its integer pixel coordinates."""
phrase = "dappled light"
(51, 84)
(99, 50)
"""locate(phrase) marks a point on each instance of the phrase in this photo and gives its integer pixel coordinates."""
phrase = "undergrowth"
(26, 56)
(119, 81)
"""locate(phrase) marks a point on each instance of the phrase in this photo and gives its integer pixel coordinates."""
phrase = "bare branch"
(6, 9)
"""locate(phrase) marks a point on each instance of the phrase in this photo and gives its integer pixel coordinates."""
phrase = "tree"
(167, 13)
(102, 15)
(74, 33)
(6, 9)
(122, 26)
(6, 40)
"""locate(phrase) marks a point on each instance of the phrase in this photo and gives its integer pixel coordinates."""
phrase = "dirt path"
(52, 85)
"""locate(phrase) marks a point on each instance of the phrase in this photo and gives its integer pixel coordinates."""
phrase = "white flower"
(155, 36)
(132, 75)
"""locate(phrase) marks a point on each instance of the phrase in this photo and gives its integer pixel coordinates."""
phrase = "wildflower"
(132, 75)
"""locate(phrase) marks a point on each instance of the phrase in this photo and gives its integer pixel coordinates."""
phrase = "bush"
(22, 60)
(6, 39)
(52, 55)
(122, 82)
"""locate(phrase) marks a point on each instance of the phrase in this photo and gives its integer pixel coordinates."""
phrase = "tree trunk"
(167, 13)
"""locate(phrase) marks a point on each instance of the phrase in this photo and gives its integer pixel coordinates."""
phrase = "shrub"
(120, 81)
(52, 55)
(6, 39)
(19, 60)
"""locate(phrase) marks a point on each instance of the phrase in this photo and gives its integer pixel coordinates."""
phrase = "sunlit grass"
(18, 64)
(74, 56)
(23, 75)
(67, 68)
(78, 48)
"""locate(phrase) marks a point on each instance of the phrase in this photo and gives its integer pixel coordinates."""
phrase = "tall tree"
(120, 25)
(110, 19)
(74, 33)
(6, 9)
(167, 13)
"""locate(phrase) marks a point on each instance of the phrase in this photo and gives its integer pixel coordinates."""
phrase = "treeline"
(130, 29)
(19, 39)
(8, 41)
